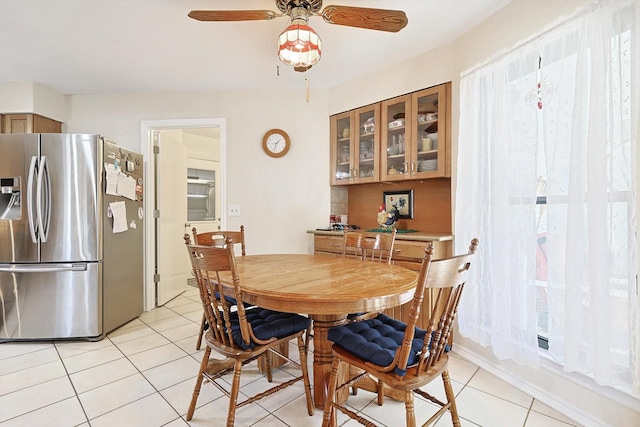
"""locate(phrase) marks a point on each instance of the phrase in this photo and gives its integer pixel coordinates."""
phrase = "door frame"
(149, 188)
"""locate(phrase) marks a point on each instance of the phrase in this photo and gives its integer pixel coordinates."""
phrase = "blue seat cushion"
(232, 300)
(377, 340)
(267, 324)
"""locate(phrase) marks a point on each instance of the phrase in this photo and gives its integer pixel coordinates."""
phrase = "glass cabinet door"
(402, 138)
(429, 139)
(395, 154)
(341, 148)
(367, 145)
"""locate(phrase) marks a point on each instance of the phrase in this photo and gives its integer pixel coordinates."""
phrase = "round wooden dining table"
(326, 288)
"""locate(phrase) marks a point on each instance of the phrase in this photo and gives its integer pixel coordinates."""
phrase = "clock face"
(276, 143)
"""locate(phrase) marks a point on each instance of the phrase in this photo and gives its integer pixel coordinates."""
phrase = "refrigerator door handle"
(43, 193)
(41, 268)
(32, 224)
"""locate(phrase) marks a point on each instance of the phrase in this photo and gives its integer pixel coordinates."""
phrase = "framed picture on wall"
(401, 200)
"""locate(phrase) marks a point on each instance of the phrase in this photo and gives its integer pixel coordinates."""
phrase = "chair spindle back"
(446, 278)
(369, 246)
(208, 263)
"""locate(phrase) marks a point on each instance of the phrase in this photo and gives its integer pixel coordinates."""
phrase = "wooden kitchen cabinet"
(408, 252)
(355, 146)
(415, 135)
(408, 248)
(29, 123)
(403, 138)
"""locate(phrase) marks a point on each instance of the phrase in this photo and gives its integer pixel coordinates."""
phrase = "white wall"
(279, 198)
(16, 97)
(29, 97)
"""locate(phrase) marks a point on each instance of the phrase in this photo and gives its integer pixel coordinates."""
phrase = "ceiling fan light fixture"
(299, 46)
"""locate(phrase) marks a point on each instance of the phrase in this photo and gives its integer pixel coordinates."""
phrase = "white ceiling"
(128, 46)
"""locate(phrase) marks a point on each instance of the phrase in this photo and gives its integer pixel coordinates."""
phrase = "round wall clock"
(276, 143)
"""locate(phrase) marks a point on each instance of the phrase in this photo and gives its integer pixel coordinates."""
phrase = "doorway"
(152, 131)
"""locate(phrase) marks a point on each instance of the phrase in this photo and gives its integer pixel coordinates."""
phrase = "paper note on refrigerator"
(119, 213)
(111, 173)
(126, 186)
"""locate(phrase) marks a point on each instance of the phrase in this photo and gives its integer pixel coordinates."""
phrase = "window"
(547, 179)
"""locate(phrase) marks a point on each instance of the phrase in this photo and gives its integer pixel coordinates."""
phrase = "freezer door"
(50, 301)
(70, 197)
(18, 161)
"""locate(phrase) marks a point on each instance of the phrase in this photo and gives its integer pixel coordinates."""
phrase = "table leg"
(322, 355)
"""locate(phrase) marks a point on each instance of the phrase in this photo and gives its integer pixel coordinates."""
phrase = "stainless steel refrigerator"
(71, 236)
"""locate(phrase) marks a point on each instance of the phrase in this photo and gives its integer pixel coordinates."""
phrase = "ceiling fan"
(299, 45)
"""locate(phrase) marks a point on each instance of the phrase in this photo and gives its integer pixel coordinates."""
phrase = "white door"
(171, 202)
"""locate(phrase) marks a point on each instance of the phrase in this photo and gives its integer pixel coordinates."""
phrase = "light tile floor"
(143, 373)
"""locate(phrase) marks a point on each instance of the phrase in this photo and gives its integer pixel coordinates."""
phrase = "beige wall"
(279, 198)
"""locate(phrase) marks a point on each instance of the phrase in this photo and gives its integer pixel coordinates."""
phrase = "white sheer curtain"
(495, 201)
(584, 144)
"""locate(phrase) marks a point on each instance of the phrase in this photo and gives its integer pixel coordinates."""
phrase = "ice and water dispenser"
(10, 198)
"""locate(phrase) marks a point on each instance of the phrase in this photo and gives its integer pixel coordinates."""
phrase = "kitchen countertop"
(418, 236)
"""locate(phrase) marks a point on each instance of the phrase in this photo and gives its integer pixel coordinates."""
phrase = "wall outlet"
(234, 210)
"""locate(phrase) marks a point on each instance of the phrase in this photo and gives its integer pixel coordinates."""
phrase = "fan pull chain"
(306, 82)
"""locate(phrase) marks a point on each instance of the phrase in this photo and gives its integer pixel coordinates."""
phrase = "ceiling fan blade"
(232, 15)
(363, 17)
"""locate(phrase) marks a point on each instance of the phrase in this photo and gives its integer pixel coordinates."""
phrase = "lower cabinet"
(408, 252)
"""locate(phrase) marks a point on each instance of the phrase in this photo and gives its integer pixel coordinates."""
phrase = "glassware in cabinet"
(367, 145)
(430, 139)
(396, 132)
(355, 146)
(341, 148)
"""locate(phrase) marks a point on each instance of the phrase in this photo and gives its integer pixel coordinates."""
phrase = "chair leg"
(267, 364)
(233, 396)
(196, 389)
(302, 348)
(329, 418)
(379, 390)
(202, 323)
(451, 398)
(409, 408)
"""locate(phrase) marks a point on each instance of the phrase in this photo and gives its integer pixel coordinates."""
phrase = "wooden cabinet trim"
(29, 123)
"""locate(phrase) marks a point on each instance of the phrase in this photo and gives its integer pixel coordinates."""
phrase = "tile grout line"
(73, 386)
(171, 315)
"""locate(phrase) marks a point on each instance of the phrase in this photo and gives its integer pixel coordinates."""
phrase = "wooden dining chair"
(366, 246)
(207, 238)
(398, 354)
(241, 335)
